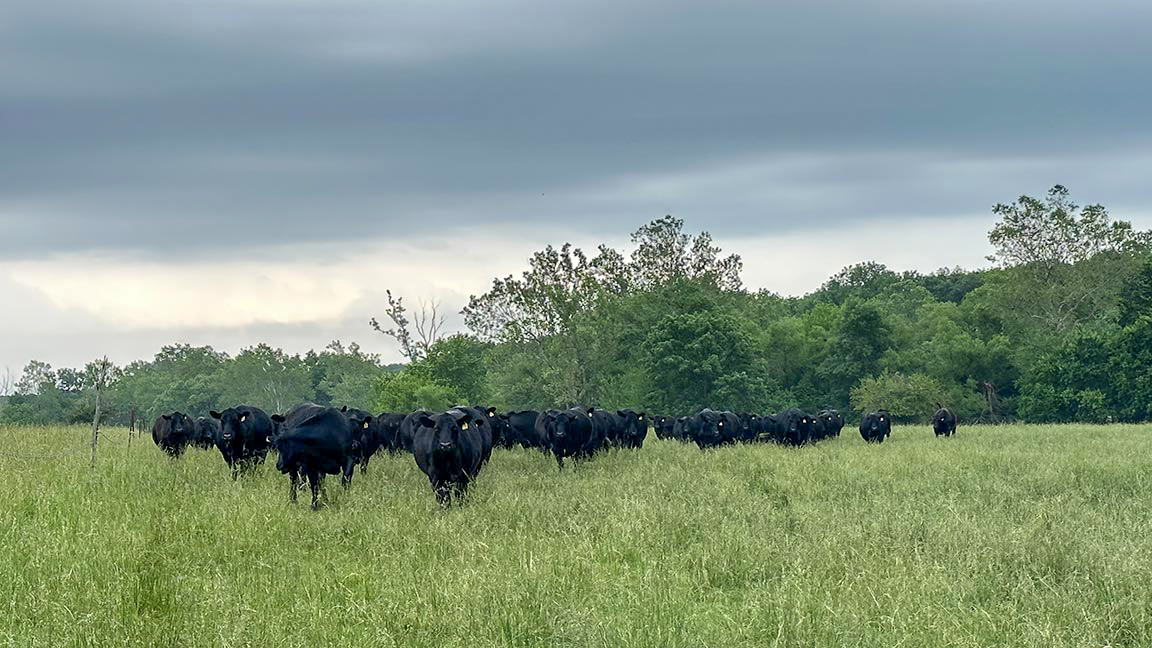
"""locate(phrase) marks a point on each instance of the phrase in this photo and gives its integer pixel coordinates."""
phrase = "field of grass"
(1007, 536)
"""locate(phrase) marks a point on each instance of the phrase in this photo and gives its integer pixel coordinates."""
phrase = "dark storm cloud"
(125, 125)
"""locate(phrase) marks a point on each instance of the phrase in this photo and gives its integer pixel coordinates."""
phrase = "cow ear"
(620, 413)
(278, 418)
(367, 421)
(344, 409)
(424, 421)
(244, 417)
(491, 411)
(463, 420)
(214, 414)
(166, 417)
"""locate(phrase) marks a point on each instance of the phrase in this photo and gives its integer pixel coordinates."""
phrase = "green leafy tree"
(344, 375)
(267, 378)
(907, 397)
(1066, 261)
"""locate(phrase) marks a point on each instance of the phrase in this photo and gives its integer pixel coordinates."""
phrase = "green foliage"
(704, 359)
(907, 397)
(1061, 330)
(454, 371)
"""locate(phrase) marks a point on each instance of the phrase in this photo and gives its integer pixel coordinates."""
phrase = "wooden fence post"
(101, 378)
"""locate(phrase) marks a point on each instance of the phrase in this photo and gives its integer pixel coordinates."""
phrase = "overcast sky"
(228, 172)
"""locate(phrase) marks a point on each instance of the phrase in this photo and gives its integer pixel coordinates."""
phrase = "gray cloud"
(127, 126)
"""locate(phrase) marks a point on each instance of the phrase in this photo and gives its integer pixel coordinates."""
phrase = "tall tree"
(664, 253)
(1064, 259)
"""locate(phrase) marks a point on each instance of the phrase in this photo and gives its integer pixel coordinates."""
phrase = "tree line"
(1059, 328)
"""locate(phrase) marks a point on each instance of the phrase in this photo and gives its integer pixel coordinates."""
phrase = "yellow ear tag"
(365, 425)
(463, 426)
(243, 417)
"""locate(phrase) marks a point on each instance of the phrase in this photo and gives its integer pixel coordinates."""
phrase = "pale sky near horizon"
(229, 172)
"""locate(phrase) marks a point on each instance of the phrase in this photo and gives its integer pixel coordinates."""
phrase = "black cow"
(604, 429)
(207, 429)
(749, 428)
(361, 422)
(663, 426)
(569, 432)
(483, 425)
(944, 422)
(522, 429)
(497, 425)
(449, 448)
(795, 427)
(245, 435)
(875, 426)
(407, 433)
(315, 441)
(832, 421)
(173, 432)
(710, 429)
(385, 430)
(680, 430)
(631, 428)
(770, 430)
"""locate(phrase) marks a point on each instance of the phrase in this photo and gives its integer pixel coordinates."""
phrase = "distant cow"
(944, 422)
(795, 427)
(449, 448)
(769, 430)
(521, 428)
(826, 424)
(407, 433)
(366, 443)
(875, 426)
(315, 441)
(497, 425)
(749, 428)
(385, 430)
(246, 433)
(207, 428)
(173, 432)
(662, 426)
(631, 428)
(484, 426)
(833, 421)
(569, 433)
(710, 429)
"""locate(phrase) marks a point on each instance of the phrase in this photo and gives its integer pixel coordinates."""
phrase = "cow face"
(360, 422)
(232, 422)
(446, 429)
(179, 425)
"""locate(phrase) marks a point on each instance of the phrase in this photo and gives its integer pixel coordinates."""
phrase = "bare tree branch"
(428, 324)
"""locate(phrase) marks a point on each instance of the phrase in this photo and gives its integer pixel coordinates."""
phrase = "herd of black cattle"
(451, 447)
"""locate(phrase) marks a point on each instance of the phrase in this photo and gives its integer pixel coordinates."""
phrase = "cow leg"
(346, 478)
(314, 481)
(443, 493)
(294, 483)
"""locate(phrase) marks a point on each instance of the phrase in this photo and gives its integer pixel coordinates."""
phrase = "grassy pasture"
(1009, 536)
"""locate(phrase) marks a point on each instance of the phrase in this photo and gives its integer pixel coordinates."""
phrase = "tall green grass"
(1006, 536)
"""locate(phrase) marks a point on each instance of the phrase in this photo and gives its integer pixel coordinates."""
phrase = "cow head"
(232, 422)
(446, 429)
